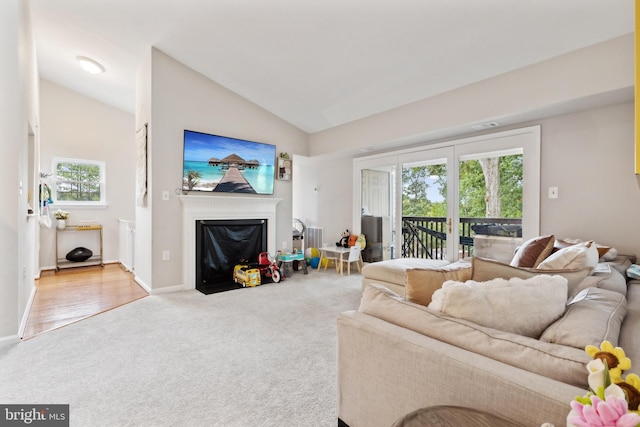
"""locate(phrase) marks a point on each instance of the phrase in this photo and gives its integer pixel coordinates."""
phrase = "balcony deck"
(426, 237)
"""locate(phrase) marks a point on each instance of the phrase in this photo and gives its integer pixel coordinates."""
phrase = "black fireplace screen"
(220, 245)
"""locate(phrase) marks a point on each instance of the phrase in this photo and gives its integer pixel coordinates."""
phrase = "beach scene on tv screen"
(227, 165)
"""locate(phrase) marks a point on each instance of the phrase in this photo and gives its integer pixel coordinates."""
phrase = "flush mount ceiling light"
(89, 65)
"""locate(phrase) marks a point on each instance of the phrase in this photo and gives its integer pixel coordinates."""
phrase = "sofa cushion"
(522, 306)
(574, 256)
(533, 251)
(562, 363)
(423, 282)
(593, 316)
(393, 270)
(628, 339)
(622, 263)
(612, 281)
(486, 269)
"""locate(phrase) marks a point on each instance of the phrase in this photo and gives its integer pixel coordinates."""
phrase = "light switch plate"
(553, 192)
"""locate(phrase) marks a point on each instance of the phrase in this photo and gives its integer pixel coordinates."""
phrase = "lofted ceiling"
(316, 63)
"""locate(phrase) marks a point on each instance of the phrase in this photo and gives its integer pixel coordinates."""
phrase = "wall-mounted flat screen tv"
(221, 164)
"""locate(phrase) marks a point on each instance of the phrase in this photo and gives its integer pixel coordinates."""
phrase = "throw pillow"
(633, 271)
(593, 316)
(605, 253)
(609, 255)
(574, 256)
(602, 250)
(521, 306)
(533, 251)
(421, 283)
(486, 269)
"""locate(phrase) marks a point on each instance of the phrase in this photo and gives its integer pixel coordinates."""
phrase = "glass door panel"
(427, 221)
(490, 193)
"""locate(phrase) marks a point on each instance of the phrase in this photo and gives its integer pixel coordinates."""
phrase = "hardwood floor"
(74, 294)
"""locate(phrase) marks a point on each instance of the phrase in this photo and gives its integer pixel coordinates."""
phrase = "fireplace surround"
(228, 207)
(221, 244)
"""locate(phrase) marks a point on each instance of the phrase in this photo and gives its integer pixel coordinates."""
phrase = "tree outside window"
(79, 181)
(489, 187)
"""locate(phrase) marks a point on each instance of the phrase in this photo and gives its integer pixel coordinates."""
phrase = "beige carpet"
(263, 356)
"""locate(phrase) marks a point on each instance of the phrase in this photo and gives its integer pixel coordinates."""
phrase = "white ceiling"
(316, 63)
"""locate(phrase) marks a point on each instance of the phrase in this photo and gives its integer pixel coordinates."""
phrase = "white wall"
(306, 187)
(76, 126)
(179, 98)
(588, 155)
(143, 239)
(598, 72)
(330, 206)
(601, 74)
(18, 115)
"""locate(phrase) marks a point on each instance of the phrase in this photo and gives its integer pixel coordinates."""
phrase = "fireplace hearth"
(221, 245)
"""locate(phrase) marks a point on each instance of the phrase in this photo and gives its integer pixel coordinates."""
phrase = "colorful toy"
(310, 253)
(362, 241)
(344, 241)
(251, 274)
(315, 262)
(268, 267)
(246, 275)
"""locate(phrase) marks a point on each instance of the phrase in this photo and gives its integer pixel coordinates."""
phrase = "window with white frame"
(79, 182)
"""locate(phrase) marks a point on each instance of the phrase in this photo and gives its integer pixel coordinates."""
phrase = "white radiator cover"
(126, 231)
(313, 237)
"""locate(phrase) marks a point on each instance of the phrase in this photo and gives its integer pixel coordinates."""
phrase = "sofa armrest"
(386, 371)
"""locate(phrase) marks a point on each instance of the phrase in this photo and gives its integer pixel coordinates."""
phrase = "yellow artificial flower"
(617, 362)
(631, 387)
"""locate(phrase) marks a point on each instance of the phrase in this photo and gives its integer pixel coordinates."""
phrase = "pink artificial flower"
(610, 413)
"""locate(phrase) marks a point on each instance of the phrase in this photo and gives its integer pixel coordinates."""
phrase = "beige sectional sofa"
(396, 356)
(392, 273)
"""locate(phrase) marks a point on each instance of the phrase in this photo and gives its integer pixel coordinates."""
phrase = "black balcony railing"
(426, 237)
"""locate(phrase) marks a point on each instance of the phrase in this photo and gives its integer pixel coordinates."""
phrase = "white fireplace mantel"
(205, 207)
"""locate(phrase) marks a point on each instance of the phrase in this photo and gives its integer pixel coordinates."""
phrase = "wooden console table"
(96, 259)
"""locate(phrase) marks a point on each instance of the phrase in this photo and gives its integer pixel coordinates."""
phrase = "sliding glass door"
(456, 199)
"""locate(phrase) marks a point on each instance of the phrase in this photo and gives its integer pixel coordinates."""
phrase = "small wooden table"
(339, 251)
(451, 416)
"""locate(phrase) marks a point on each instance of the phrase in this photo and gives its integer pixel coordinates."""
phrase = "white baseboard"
(9, 340)
(175, 288)
(27, 310)
(140, 282)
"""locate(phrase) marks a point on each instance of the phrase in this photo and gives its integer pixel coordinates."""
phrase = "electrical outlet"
(166, 255)
(553, 192)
